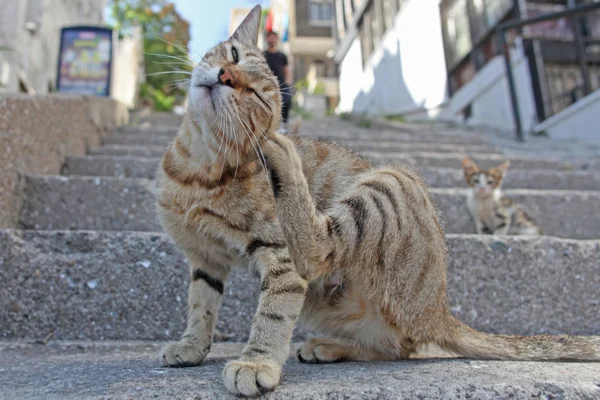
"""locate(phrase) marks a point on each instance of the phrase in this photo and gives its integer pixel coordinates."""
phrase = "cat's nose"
(226, 77)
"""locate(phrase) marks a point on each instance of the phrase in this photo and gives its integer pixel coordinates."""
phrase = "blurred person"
(278, 63)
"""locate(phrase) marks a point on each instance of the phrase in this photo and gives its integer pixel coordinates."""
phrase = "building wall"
(489, 97)
(304, 26)
(575, 121)
(30, 37)
(406, 71)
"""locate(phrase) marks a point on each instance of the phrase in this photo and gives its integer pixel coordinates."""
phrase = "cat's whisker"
(177, 46)
(219, 127)
(256, 147)
(168, 72)
(188, 62)
(227, 148)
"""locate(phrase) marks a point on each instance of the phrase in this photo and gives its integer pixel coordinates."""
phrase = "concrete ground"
(130, 370)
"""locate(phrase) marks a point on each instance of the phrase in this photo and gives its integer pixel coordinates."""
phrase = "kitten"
(355, 251)
(493, 213)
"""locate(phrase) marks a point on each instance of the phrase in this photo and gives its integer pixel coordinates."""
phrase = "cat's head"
(483, 182)
(233, 93)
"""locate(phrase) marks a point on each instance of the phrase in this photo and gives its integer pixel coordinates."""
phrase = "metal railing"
(503, 48)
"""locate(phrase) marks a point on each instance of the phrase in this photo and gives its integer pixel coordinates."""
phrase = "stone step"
(116, 166)
(539, 179)
(381, 145)
(148, 130)
(132, 285)
(345, 130)
(404, 152)
(57, 202)
(560, 213)
(108, 203)
(129, 151)
(130, 370)
(388, 146)
(139, 139)
(453, 160)
(141, 167)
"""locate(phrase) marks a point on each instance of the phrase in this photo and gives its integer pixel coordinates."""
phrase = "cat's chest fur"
(485, 210)
(224, 218)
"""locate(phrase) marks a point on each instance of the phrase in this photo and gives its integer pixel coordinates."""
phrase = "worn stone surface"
(453, 160)
(540, 179)
(124, 285)
(117, 166)
(139, 139)
(147, 129)
(567, 214)
(130, 370)
(89, 203)
(129, 151)
(38, 132)
(108, 203)
(336, 129)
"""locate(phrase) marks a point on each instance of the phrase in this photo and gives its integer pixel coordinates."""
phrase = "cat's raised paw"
(183, 354)
(251, 378)
(281, 154)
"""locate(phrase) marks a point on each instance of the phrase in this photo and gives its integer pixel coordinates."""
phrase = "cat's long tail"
(478, 345)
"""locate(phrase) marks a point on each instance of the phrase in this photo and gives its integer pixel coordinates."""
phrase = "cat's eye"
(234, 54)
(490, 181)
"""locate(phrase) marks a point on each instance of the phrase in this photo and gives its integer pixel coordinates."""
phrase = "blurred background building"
(305, 28)
(30, 37)
(438, 59)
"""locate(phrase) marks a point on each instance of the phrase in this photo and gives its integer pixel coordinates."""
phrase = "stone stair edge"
(486, 239)
(441, 190)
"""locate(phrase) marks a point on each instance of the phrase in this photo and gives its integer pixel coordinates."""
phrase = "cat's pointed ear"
(502, 168)
(469, 166)
(247, 32)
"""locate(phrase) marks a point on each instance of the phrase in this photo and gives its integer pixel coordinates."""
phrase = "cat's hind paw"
(319, 351)
(183, 353)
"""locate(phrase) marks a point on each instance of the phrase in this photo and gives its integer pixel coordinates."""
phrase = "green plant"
(166, 36)
(364, 122)
(395, 117)
(161, 101)
(319, 89)
(345, 116)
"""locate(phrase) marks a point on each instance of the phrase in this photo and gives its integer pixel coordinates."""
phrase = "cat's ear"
(469, 167)
(247, 32)
(502, 168)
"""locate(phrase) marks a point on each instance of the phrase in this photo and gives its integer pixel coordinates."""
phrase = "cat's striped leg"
(311, 242)
(204, 300)
(282, 295)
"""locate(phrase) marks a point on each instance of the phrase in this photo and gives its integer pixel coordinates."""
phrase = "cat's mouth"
(209, 93)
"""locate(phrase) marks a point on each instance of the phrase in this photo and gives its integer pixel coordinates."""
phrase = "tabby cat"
(353, 250)
(495, 214)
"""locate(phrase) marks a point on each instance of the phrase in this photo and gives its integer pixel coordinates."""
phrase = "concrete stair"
(114, 203)
(131, 166)
(91, 265)
(131, 285)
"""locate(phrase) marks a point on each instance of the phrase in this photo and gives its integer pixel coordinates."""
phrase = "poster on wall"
(84, 61)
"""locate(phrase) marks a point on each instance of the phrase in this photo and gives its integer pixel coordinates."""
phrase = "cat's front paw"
(248, 378)
(184, 353)
(283, 161)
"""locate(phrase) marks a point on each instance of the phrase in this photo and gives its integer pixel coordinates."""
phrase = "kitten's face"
(233, 89)
(483, 182)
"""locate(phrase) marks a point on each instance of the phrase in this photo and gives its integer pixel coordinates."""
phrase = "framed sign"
(85, 60)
